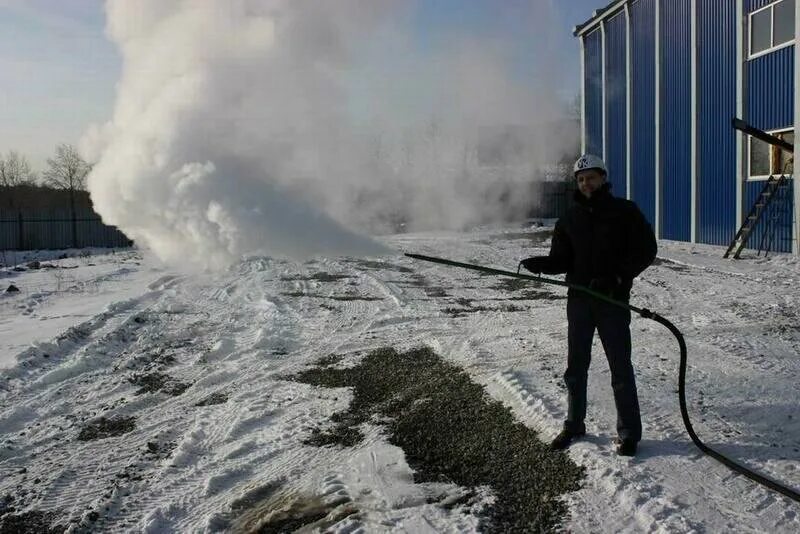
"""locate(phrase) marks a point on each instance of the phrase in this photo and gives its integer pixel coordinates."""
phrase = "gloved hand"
(605, 284)
(535, 265)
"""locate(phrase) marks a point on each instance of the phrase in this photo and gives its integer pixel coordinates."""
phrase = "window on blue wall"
(772, 27)
(760, 166)
(767, 160)
(783, 15)
(785, 160)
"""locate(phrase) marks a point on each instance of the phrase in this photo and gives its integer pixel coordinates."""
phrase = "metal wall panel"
(770, 106)
(770, 90)
(716, 148)
(779, 215)
(675, 135)
(616, 104)
(593, 101)
(643, 132)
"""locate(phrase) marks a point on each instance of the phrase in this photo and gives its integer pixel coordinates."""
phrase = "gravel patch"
(215, 398)
(452, 431)
(152, 382)
(381, 266)
(107, 428)
(33, 522)
(461, 312)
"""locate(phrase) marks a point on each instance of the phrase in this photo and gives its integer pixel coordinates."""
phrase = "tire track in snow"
(235, 438)
(652, 510)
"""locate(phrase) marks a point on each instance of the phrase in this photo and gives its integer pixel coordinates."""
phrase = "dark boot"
(626, 447)
(565, 439)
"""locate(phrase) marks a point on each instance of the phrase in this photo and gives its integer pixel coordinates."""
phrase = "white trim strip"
(658, 118)
(617, 14)
(628, 100)
(741, 23)
(694, 152)
(771, 50)
(771, 28)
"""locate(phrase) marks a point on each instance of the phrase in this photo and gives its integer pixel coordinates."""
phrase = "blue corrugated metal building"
(661, 81)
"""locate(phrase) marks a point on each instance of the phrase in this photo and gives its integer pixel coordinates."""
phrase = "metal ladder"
(771, 190)
(768, 193)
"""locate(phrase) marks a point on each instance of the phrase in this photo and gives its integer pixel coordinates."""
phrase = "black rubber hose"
(752, 475)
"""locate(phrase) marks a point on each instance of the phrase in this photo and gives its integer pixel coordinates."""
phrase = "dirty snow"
(198, 363)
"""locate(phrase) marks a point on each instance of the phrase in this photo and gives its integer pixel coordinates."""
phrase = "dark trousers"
(585, 315)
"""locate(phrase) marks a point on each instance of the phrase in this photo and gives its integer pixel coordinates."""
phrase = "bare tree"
(68, 171)
(15, 170)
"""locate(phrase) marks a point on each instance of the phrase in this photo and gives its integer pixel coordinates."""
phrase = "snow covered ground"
(65, 289)
(190, 371)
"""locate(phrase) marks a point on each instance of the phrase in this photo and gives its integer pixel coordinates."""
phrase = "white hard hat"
(589, 161)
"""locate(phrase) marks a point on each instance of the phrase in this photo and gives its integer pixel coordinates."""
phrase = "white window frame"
(760, 178)
(774, 47)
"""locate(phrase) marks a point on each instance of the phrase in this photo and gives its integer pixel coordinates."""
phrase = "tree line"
(61, 184)
(65, 170)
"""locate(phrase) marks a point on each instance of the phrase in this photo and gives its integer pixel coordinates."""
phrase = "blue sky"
(58, 71)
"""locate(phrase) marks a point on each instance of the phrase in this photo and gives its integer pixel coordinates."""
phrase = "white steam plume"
(284, 126)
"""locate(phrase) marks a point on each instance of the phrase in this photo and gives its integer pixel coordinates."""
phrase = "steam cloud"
(287, 126)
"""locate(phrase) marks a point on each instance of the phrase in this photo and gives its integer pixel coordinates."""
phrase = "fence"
(556, 198)
(37, 229)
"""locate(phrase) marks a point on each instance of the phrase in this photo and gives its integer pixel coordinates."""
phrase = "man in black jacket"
(603, 242)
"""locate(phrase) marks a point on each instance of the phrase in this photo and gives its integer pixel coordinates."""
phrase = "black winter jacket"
(602, 236)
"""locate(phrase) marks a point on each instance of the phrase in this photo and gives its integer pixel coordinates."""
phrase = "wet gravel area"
(153, 382)
(461, 312)
(107, 428)
(33, 522)
(451, 430)
(219, 397)
(381, 266)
